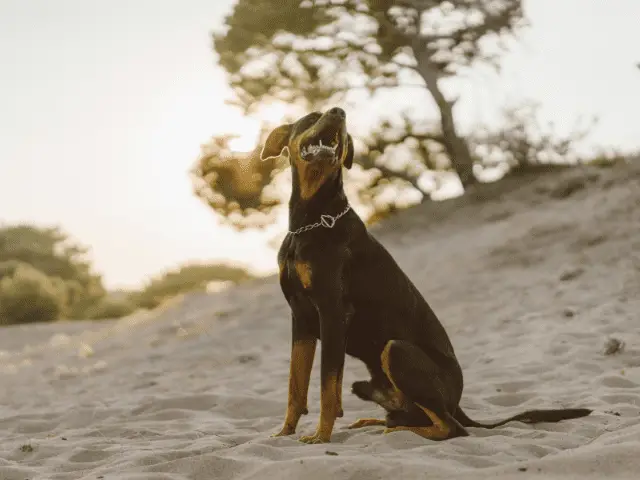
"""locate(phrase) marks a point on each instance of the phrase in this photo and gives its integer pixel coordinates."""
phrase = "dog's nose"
(337, 112)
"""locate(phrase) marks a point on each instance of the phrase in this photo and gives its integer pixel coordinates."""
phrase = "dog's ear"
(348, 159)
(276, 142)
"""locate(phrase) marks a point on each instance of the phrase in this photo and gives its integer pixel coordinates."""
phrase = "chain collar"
(326, 221)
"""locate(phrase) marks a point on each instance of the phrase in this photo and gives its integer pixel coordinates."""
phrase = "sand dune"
(537, 281)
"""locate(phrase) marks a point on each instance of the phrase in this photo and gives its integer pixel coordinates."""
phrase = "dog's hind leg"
(368, 422)
(426, 386)
(366, 391)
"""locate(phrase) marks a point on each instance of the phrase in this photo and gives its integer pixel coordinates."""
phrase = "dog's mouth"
(323, 146)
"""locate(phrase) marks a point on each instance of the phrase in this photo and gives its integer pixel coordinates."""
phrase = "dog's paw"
(367, 422)
(285, 432)
(363, 390)
(315, 439)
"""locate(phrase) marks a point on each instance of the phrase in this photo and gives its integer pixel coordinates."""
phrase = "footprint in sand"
(559, 349)
(615, 381)
(90, 456)
(619, 398)
(588, 367)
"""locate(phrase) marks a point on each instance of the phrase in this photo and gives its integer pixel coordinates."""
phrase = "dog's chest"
(295, 272)
(295, 281)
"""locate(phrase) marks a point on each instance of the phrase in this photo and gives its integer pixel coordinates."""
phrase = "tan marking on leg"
(438, 431)
(304, 273)
(367, 422)
(302, 354)
(339, 393)
(329, 410)
(393, 399)
(384, 358)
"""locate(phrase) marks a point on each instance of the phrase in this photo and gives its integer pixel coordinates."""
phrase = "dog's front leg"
(333, 329)
(303, 348)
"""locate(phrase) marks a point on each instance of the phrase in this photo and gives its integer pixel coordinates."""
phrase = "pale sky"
(103, 106)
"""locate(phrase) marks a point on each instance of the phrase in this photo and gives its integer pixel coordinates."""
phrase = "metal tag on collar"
(327, 221)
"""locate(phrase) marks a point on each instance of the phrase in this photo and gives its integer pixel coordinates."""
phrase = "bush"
(187, 278)
(110, 308)
(8, 268)
(28, 295)
(51, 252)
(523, 143)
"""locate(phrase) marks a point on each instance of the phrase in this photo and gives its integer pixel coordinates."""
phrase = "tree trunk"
(456, 146)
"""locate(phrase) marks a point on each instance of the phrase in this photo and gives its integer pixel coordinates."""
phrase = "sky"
(104, 106)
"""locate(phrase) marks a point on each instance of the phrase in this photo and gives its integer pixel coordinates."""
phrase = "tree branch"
(383, 19)
(492, 22)
(403, 65)
(367, 163)
(380, 144)
(350, 88)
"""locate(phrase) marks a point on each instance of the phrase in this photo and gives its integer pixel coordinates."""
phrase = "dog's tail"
(531, 416)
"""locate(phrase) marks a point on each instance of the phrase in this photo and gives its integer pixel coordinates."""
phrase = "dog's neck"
(330, 199)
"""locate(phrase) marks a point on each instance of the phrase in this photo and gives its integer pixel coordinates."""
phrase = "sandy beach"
(537, 281)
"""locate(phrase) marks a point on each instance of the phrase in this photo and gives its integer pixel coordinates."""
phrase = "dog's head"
(318, 145)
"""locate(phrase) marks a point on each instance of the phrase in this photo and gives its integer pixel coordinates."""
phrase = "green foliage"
(522, 143)
(234, 184)
(109, 308)
(185, 279)
(45, 277)
(609, 159)
(50, 251)
(310, 50)
(28, 295)
(246, 49)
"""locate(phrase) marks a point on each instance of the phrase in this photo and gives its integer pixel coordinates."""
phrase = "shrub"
(110, 308)
(54, 254)
(187, 278)
(28, 295)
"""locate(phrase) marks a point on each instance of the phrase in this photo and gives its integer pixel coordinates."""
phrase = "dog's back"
(388, 306)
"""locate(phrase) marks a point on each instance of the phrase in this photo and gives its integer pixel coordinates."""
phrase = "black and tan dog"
(345, 289)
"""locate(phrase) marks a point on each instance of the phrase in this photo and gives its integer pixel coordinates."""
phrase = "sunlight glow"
(248, 139)
(249, 134)
(272, 113)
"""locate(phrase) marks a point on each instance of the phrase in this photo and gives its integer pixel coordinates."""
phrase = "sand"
(537, 281)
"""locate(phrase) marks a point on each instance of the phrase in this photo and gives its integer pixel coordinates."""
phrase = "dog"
(346, 290)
